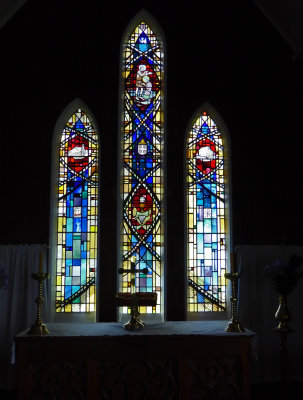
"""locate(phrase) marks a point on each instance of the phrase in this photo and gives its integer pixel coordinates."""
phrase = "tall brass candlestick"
(39, 328)
(234, 325)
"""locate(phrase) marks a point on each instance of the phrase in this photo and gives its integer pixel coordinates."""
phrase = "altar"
(170, 360)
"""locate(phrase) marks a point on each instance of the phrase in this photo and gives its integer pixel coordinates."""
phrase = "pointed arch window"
(142, 137)
(76, 211)
(207, 215)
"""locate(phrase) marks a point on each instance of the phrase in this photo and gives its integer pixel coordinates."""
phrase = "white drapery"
(258, 303)
(17, 299)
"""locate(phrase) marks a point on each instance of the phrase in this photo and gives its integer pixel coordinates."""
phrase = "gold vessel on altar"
(134, 301)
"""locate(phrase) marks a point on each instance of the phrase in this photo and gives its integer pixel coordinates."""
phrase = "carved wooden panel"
(215, 378)
(123, 367)
(58, 381)
(138, 380)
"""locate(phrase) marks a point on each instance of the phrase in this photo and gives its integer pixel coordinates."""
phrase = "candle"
(232, 267)
(41, 264)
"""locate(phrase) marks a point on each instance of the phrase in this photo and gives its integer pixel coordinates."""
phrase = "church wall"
(227, 55)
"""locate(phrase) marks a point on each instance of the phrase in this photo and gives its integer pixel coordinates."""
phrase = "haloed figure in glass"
(142, 149)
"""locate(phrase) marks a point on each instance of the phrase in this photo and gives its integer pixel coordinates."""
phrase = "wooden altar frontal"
(169, 360)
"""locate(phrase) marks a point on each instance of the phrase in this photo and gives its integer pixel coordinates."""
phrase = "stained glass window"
(77, 214)
(206, 217)
(142, 152)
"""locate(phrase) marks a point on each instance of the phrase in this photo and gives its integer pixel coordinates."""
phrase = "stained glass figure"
(76, 259)
(142, 152)
(206, 219)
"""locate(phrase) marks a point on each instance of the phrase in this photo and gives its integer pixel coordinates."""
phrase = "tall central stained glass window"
(142, 156)
(77, 215)
(206, 217)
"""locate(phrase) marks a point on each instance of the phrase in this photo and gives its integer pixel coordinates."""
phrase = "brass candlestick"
(39, 328)
(234, 324)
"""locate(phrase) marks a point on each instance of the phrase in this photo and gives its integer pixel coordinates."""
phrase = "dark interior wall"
(225, 53)
(265, 125)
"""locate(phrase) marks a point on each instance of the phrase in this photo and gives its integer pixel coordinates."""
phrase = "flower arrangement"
(284, 275)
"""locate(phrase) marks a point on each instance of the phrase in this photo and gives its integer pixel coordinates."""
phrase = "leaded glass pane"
(206, 231)
(142, 152)
(76, 259)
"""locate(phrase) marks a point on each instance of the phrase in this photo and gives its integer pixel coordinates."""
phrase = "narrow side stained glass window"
(77, 214)
(142, 156)
(206, 217)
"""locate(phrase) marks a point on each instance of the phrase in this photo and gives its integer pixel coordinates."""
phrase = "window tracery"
(206, 216)
(142, 184)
